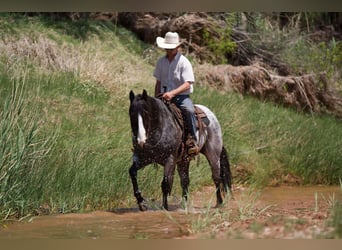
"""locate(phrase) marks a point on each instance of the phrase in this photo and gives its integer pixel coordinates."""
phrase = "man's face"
(171, 52)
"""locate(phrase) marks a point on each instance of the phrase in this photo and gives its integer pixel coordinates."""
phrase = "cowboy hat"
(170, 41)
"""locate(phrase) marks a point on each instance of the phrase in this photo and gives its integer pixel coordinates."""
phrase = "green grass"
(65, 135)
(273, 141)
(23, 146)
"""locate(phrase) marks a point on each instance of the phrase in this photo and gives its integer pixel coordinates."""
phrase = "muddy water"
(288, 195)
(130, 223)
(97, 225)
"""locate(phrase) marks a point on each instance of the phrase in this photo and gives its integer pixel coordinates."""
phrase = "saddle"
(202, 120)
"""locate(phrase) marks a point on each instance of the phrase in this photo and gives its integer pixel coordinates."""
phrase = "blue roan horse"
(157, 138)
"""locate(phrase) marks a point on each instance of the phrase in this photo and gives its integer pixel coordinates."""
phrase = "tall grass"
(22, 148)
(79, 87)
(82, 167)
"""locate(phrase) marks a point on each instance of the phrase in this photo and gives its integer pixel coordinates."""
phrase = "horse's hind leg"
(183, 171)
(226, 174)
(214, 162)
(169, 170)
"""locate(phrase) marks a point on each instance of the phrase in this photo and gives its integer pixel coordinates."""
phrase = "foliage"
(222, 45)
(305, 56)
(296, 43)
(318, 57)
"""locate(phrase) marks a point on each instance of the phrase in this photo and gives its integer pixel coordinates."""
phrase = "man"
(174, 82)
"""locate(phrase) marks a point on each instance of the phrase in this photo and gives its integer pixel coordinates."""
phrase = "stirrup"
(194, 150)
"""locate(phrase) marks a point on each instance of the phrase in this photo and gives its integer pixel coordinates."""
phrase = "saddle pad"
(201, 116)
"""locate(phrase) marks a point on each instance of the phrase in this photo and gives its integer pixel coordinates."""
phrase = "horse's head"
(142, 115)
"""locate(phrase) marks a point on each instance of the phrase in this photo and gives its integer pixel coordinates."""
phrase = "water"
(96, 225)
(129, 223)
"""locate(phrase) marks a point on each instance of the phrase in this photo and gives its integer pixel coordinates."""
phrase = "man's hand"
(168, 96)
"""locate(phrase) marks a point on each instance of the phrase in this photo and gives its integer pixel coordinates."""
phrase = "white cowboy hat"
(170, 41)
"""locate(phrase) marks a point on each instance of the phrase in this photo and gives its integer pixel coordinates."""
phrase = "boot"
(192, 147)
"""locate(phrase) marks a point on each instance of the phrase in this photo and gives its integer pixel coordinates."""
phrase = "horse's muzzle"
(141, 144)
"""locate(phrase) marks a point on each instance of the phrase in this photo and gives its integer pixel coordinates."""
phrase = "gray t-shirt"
(175, 73)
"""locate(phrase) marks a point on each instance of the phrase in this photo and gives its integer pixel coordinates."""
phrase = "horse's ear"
(131, 95)
(144, 94)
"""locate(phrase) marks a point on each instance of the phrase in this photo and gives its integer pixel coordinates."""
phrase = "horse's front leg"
(133, 172)
(169, 169)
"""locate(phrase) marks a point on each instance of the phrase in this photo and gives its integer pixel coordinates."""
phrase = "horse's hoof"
(143, 206)
(218, 205)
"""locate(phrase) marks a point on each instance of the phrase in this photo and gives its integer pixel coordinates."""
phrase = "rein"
(175, 111)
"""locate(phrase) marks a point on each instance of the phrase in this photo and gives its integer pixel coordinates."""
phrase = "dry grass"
(101, 62)
(308, 92)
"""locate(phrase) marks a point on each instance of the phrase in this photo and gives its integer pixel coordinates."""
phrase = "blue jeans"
(188, 110)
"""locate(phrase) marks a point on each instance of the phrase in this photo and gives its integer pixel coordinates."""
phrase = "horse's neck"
(170, 122)
(163, 116)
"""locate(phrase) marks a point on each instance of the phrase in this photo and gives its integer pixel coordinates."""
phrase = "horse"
(157, 138)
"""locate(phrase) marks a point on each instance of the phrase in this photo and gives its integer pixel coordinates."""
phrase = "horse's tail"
(225, 170)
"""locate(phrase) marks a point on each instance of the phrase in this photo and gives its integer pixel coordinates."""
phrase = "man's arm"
(182, 88)
(157, 89)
